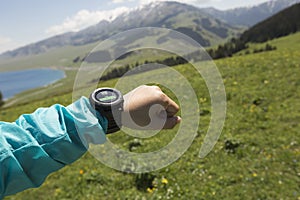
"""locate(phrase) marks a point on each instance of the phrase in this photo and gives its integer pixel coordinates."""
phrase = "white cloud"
(85, 18)
(122, 1)
(142, 2)
(117, 1)
(7, 43)
(4, 40)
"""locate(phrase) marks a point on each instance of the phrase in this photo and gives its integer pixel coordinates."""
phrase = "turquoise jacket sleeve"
(42, 142)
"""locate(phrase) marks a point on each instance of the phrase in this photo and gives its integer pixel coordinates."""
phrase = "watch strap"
(113, 117)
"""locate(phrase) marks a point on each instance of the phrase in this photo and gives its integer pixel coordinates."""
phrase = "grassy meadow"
(256, 157)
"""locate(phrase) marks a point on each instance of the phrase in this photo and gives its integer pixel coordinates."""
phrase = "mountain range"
(208, 26)
(281, 24)
(249, 16)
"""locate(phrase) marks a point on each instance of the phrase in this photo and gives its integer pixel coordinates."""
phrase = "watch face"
(107, 96)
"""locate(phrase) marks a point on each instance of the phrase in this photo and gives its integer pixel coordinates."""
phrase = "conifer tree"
(1, 99)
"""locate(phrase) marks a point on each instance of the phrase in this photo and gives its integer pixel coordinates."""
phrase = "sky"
(29, 21)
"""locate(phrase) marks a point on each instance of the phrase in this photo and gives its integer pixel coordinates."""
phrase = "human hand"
(148, 108)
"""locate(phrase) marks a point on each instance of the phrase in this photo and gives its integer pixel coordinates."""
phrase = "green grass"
(263, 114)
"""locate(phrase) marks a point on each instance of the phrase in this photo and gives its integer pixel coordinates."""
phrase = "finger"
(171, 122)
(172, 108)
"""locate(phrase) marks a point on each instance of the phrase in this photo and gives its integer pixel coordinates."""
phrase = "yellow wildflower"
(150, 190)
(81, 172)
(164, 181)
(57, 192)
(254, 174)
(252, 108)
(203, 100)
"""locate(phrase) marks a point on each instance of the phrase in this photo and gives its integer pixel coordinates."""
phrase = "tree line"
(1, 99)
(139, 67)
(226, 50)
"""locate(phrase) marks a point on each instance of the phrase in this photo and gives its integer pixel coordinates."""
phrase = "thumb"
(171, 122)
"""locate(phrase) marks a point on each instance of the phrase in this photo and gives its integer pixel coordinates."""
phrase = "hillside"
(281, 24)
(257, 156)
(177, 16)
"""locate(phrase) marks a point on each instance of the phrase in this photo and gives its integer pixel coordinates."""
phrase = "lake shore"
(15, 82)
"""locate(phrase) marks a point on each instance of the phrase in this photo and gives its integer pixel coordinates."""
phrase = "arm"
(50, 138)
(45, 141)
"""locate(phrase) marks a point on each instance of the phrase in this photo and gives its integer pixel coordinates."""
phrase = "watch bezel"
(111, 110)
(101, 104)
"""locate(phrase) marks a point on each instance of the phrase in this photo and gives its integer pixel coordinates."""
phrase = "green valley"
(256, 157)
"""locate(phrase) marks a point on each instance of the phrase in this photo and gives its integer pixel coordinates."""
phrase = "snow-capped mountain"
(177, 16)
(249, 16)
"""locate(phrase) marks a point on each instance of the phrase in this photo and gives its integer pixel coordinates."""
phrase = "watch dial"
(106, 96)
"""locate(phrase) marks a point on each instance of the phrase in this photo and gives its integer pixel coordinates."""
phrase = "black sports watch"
(109, 103)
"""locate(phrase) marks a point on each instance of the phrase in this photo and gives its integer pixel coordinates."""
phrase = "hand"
(148, 108)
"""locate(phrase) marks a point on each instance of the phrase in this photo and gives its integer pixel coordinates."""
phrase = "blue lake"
(12, 83)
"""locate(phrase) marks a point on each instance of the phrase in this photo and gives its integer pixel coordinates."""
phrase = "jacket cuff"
(90, 124)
